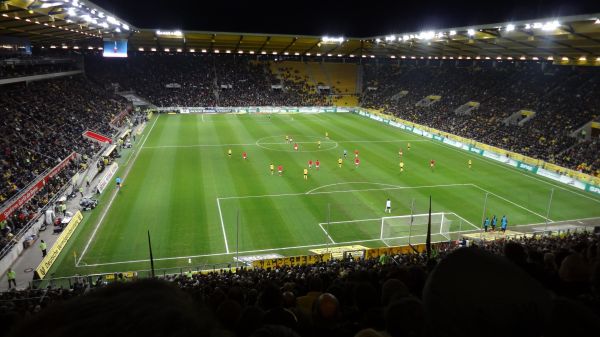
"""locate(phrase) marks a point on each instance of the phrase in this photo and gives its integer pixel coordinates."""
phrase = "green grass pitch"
(180, 184)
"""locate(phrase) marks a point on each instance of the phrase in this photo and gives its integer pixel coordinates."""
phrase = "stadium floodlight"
(192, 50)
(330, 39)
(527, 26)
(510, 27)
(90, 47)
(452, 33)
(104, 24)
(405, 37)
(582, 58)
(460, 57)
(372, 56)
(216, 51)
(175, 33)
(471, 32)
(403, 56)
(537, 25)
(228, 51)
(522, 58)
(351, 55)
(443, 57)
(550, 58)
(535, 58)
(478, 57)
(117, 30)
(330, 55)
(274, 53)
(167, 50)
(75, 47)
(426, 35)
(152, 49)
(451, 57)
(597, 22)
(509, 58)
(251, 52)
(65, 47)
(413, 57)
(550, 25)
(393, 56)
(378, 40)
(363, 56)
(263, 52)
(499, 58)
(564, 58)
(5, 15)
(179, 50)
(240, 51)
(203, 50)
(597, 59)
(487, 58)
(340, 55)
(100, 48)
(390, 38)
(72, 11)
(126, 27)
(307, 54)
(297, 54)
(286, 53)
(141, 49)
(318, 54)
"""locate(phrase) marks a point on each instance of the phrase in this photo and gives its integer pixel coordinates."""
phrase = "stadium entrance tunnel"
(304, 143)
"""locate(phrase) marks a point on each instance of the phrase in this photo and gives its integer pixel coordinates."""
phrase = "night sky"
(349, 18)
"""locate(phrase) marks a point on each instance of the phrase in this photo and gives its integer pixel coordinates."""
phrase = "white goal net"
(407, 229)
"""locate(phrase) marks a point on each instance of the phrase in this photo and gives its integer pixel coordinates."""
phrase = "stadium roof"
(82, 23)
(68, 22)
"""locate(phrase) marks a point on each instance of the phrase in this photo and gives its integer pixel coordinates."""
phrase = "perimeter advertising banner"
(292, 261)
(58, 246)
(24, 197)
(536, 166)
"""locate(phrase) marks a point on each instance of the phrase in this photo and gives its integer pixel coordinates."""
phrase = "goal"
(407, 229)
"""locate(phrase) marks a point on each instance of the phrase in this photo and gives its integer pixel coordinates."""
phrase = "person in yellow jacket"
(12, 278)
(43, 247)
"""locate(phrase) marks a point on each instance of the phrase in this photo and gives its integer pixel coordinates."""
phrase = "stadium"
(205, 182)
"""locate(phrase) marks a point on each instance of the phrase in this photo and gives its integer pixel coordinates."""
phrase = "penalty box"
(338, 213)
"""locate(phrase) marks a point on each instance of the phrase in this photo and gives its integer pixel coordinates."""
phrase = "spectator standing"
(12, 278)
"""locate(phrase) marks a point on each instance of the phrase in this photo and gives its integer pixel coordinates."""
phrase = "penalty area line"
(223, 226)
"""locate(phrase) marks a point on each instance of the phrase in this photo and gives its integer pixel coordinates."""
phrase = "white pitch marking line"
(252, 251)
(516, 170)
(223, 226)
(352, 182)
(326, 233)
(114, 195)
(279, 143)
(344, 191)
(522, 207)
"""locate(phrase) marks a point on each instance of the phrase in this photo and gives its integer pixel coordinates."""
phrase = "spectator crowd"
(544, 286)
(563, 98)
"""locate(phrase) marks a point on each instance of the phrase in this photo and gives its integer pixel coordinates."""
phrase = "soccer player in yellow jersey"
(340, 162)
(287, 139)
(319, 144)
(305, 173)
(326, 135)
(401, 166)
(272, 168)
(470, 163)
(408, 146)
(400, 153)
(229, 153)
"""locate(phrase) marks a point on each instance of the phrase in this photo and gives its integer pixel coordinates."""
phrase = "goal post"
(401, 230)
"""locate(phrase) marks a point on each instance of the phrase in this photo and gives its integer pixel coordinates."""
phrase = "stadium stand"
(539, 286)
(562, 97)
(42, 124)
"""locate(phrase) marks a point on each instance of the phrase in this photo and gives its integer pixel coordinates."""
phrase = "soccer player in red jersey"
(280, 169)
(356, 162)
(355, 153)
(310, 164)
(295, 146)
(244, 155)
(317, 164)
(432, 164)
